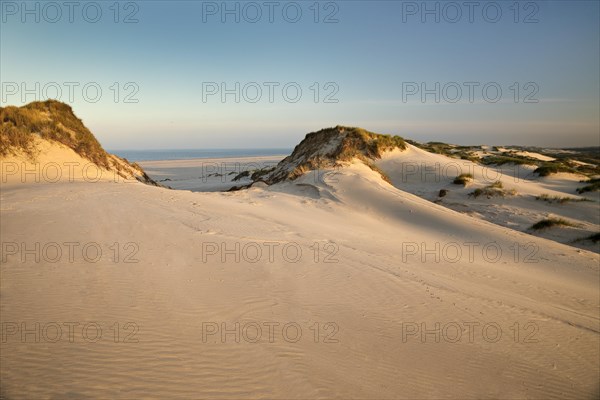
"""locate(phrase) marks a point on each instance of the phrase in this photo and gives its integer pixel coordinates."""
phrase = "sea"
(187, 154)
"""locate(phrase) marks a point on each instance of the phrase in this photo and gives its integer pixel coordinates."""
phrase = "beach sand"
(206, 174)
(336, 285)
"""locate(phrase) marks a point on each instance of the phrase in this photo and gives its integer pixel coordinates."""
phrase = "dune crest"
(332, 147)
(46, 142)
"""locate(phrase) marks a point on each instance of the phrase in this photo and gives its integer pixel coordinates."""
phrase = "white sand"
(425, 174)
(53, 162)
(376, 291)
(537, 156)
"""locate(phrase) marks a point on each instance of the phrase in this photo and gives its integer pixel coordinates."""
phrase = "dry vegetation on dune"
(50, 120)
(593, 185)
(463, 179)
(53, 121)
(557, 199)
(496, 189)
(330, 147)
(551, 222)
(594, 238)
(585, 161)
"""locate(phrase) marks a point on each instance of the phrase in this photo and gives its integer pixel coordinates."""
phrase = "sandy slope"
(425, 174)
(54, 162)
(367, 302)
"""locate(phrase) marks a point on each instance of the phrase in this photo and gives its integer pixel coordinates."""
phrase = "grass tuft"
(550, 168)
(463, 179)
(496, 189)
(593, 186)
(549, 223)
(557, 199)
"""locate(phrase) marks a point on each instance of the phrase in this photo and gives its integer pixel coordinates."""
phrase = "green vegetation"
(463, 179)
(557, 199)
(434, 147)
(501, 160)
(467, 156)
(329, 147)
(549, 223)
(554, 167)
(593, 186)
(50, 120)
(243, 174)
(359, 142)
(443, 193)
(255, 175)
(259, 173)
(565, 160)
(496, 189)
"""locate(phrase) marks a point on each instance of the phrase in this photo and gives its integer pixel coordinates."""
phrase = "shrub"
(442, 193)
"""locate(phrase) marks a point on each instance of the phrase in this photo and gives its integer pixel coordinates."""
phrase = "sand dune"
(334, 284)
(369, 302)
(54, 162)
(425, 174)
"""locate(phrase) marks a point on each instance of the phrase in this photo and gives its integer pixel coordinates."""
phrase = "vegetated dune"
(46, 142)
(395, 296)
(521, 199)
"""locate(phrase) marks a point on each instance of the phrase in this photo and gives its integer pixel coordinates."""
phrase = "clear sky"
(373, 57)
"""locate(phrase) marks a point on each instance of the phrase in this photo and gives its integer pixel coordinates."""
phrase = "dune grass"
(332, 147)
(50, 120)
(496, 189)
(554, 167)
(463, 179)
(255, 174)
(594, 237)
(501, 160)
(557, 199)
(593, 186)
(550, 222)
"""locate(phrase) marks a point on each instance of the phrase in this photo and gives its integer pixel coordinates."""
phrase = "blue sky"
(367, 58)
